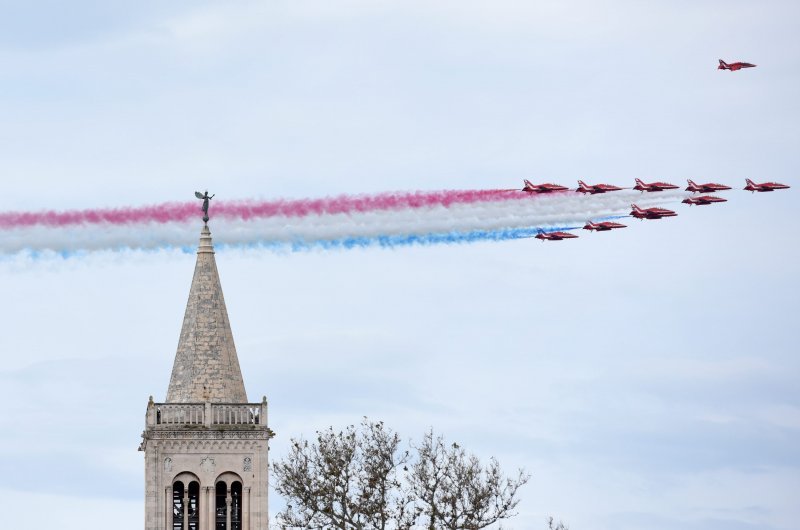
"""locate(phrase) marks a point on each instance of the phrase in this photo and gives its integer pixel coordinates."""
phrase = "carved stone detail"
(168, 464)
(265, 434)
(247, 464)
(208, 446)
(208, 465)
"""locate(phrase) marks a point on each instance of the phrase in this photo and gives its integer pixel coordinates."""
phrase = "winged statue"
(205, 197)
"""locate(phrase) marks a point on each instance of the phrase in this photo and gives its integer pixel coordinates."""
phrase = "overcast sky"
(647, 378)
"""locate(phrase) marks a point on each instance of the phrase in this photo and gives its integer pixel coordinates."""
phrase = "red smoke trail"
(178, 212)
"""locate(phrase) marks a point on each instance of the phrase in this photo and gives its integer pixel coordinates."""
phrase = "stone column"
(212, 508)
(228, 511)
(207, 417)
(154, 492)
(168, 507)
(202, 499)
(263, 418)
(246, 508)
(151, 412)
(185, 507)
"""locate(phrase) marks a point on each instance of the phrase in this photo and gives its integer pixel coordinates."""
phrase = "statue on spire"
(205, 198)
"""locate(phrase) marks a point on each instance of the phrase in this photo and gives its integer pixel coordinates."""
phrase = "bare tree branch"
(360, 479)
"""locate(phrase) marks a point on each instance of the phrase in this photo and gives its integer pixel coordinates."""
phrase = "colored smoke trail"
(457, 222)
(181, 212)
(349, 243)
(392, 241)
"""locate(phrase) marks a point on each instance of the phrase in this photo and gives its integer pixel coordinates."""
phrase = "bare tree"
(452, 490)
(359, 478)
(347, 479)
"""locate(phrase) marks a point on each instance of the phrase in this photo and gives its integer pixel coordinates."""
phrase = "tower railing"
(246, 414)
(208, 414)
(180, 414)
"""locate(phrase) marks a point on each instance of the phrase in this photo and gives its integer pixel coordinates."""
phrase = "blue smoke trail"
(299, 245)
(393, 241)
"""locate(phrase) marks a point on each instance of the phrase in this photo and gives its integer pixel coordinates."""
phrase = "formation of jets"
(708, 187)
(733, 66)
(649, 213)
(643, 213)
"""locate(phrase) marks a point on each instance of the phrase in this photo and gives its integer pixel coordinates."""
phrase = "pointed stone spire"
(206, 366)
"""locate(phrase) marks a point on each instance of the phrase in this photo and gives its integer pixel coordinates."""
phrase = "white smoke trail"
(541, 211)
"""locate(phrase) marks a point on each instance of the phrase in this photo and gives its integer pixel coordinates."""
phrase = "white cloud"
(645, 378)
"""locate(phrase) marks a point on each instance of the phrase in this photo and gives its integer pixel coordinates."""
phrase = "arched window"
(185, 505)
(228, 508)
(236, 506)
(193, 507)
(221, 509)
(177, 505)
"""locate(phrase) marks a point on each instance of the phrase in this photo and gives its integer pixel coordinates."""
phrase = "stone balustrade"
(180, 413)
(207, 414)
(223, 414)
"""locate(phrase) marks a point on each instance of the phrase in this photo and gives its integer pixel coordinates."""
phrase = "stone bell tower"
(206, 448)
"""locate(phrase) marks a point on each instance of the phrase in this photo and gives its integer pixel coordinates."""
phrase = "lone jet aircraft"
(654, 186)
(733, 66)
(766, 186)
(554, 236)
(603, 227)
(595, 188)
(542, 188)
(708, 187)
(703, 200)
(651, 213)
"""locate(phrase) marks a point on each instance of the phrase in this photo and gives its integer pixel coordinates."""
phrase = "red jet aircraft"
(654, 186)
(708, 187)
(651, 213)
(603, 227)
(595, 188)
(703, 200)
(766, 186)
(733, 66)
(542, 188)
(554, 236)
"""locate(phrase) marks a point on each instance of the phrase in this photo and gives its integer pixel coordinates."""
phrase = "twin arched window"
(229, 506)
(186, 506)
